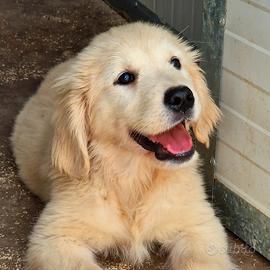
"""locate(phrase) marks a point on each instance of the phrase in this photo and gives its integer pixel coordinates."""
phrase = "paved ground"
(35, 35)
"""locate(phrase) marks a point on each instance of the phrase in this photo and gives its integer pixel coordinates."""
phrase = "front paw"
(209, 261)
(222, 263)
(210, 266)
(56, 256)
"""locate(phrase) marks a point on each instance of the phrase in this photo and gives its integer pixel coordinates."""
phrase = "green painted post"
(211, 45)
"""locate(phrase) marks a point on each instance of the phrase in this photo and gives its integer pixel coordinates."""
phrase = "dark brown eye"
(175, 62)
(126, 78)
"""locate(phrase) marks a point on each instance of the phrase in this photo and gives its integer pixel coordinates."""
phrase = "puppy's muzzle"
(179, 99)
(174, 144)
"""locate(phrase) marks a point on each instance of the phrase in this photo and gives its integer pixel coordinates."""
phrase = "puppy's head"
(137, 87)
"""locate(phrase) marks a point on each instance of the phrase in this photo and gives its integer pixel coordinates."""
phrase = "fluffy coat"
(103, 191)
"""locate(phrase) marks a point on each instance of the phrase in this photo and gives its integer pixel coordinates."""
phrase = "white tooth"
(187, 124)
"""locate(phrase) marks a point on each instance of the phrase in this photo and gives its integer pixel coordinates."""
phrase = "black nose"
(179, 99)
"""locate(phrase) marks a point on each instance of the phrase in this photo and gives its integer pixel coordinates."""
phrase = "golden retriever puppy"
(105, 141)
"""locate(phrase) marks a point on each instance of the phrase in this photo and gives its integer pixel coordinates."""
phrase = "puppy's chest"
(144, 210)
(142, 200)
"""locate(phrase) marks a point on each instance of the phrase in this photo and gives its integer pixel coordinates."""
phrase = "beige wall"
(243, 148)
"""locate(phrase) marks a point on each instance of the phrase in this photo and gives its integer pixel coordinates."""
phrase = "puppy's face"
(143, 90)
(151, 92)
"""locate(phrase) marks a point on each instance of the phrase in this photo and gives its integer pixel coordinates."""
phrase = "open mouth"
(173, 144)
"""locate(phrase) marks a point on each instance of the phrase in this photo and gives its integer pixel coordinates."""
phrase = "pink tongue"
(176, 140)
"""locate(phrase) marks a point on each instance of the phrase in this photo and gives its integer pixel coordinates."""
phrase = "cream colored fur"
(103, 191)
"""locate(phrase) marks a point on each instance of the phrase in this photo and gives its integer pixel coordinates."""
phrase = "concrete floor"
(34, 36)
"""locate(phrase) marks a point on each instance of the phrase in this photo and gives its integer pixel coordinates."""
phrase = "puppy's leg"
(59, 252)
(66, 238)
(201, 243)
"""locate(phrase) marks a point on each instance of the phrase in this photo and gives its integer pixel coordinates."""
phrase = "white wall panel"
(250, 101)
(250, 23)
(243, 148)
(243, 177)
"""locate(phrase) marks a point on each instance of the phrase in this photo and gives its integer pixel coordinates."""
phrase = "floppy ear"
(71, 133)
(210, 113)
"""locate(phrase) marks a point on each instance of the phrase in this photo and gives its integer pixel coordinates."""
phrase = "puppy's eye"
(125, 78)
(175, 62)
